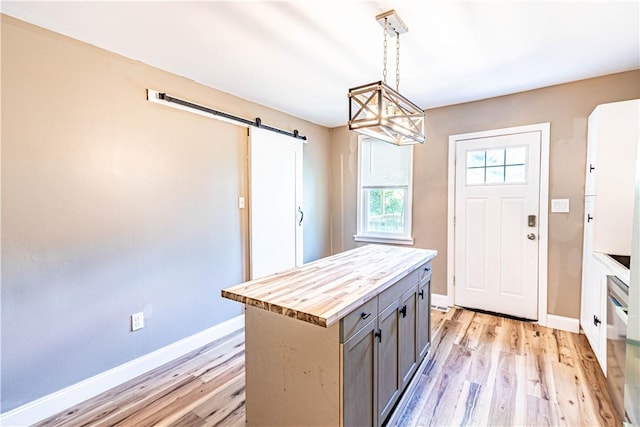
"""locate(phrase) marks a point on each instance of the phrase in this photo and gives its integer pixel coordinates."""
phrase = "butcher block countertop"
(324, 291)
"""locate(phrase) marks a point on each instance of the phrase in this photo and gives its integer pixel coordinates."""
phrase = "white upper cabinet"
(613, 138)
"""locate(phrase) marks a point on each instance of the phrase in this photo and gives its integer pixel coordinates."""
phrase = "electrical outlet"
(137, 321)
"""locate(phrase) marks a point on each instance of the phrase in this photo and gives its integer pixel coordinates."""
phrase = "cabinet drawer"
(395, 291)
(358, 318)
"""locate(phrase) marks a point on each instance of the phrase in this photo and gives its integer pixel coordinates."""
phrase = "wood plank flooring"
(481, 370)
(487, 370)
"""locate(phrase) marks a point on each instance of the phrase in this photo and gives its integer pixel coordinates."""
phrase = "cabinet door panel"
(359, 378)
(407, 336)
(388, 375)
(587, 309)
(423, 325)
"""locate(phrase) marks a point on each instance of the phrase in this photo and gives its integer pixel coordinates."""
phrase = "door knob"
(531, 236)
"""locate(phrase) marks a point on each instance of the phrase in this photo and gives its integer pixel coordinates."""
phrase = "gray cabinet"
(423, 321)
(382, 353)
(407, 338)
(389, 381)
(360, 378)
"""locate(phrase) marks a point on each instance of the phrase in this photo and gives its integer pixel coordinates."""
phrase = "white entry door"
(275, 202)
(497, 190)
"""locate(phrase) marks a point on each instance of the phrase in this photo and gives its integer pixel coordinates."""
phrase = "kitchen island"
(336, 341)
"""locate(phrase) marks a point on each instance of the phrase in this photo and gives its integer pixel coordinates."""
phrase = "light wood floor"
(482, 370)
(488, 370)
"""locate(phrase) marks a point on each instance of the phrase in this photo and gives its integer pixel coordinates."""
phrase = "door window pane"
(475, 158)
(475, 176)
(497, 166)
(495, 174)
(516, 156)
(495, 157)
(514, 174)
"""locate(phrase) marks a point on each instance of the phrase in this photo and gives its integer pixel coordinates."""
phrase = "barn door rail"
(172, 101)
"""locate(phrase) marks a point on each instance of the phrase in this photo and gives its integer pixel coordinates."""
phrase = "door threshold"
(494, 313)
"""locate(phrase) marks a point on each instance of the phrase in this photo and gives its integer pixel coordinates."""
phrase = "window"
(497, 166)
(384, 192)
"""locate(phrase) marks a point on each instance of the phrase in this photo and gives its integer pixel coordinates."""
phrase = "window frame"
(363, 235)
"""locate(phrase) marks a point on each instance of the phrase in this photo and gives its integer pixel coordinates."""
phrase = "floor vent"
(442, 308)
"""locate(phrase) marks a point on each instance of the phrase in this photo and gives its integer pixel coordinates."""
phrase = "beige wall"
(565, 106)
(112, 205)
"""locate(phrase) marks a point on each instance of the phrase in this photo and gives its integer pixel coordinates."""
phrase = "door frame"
(543, 221)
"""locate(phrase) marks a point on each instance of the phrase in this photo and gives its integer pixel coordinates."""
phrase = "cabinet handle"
(589, 218)
(364, 315)
(378, 334)
(427, 269)
(591, 168)
(596, 321)
(403, 311)
(421, 293)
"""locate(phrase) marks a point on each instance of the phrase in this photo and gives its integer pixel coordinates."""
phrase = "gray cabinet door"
(360, 383)
(423, 325)
(407, 345)
(389, 380)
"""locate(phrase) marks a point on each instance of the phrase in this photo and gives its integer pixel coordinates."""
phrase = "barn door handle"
(403, 311)
(378, 334)
(421, 293)
(301, 216)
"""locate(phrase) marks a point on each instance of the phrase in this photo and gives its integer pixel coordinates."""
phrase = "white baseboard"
(568, 324)
(441, 300)
(60, 400)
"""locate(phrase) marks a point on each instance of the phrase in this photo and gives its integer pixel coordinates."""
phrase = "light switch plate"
(560, 205)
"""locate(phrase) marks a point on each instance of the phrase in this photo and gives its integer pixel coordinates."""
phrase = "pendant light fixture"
(377, 110)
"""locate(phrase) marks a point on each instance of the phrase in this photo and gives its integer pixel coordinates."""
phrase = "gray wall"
(113, 205)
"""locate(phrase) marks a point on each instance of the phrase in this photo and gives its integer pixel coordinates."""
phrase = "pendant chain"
(398, 62)
(384, 68)
(384, 61)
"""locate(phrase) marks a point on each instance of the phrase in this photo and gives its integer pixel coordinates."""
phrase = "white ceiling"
(302, 56)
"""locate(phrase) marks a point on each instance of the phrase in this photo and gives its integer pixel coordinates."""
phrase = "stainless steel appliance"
(617, 309)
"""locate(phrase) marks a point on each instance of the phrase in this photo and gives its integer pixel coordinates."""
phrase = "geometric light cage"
(377, 110)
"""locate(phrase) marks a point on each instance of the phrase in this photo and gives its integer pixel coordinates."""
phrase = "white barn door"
(275, 203)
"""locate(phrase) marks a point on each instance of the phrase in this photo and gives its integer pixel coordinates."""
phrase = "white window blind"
(384, 164)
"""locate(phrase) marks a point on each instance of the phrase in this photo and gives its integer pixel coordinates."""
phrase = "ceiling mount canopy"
(377, 110)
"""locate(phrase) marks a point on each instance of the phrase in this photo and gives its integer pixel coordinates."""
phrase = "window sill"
(382, 239)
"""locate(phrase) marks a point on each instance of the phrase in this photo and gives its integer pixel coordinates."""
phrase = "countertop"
(613, 267)
(324, 291)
